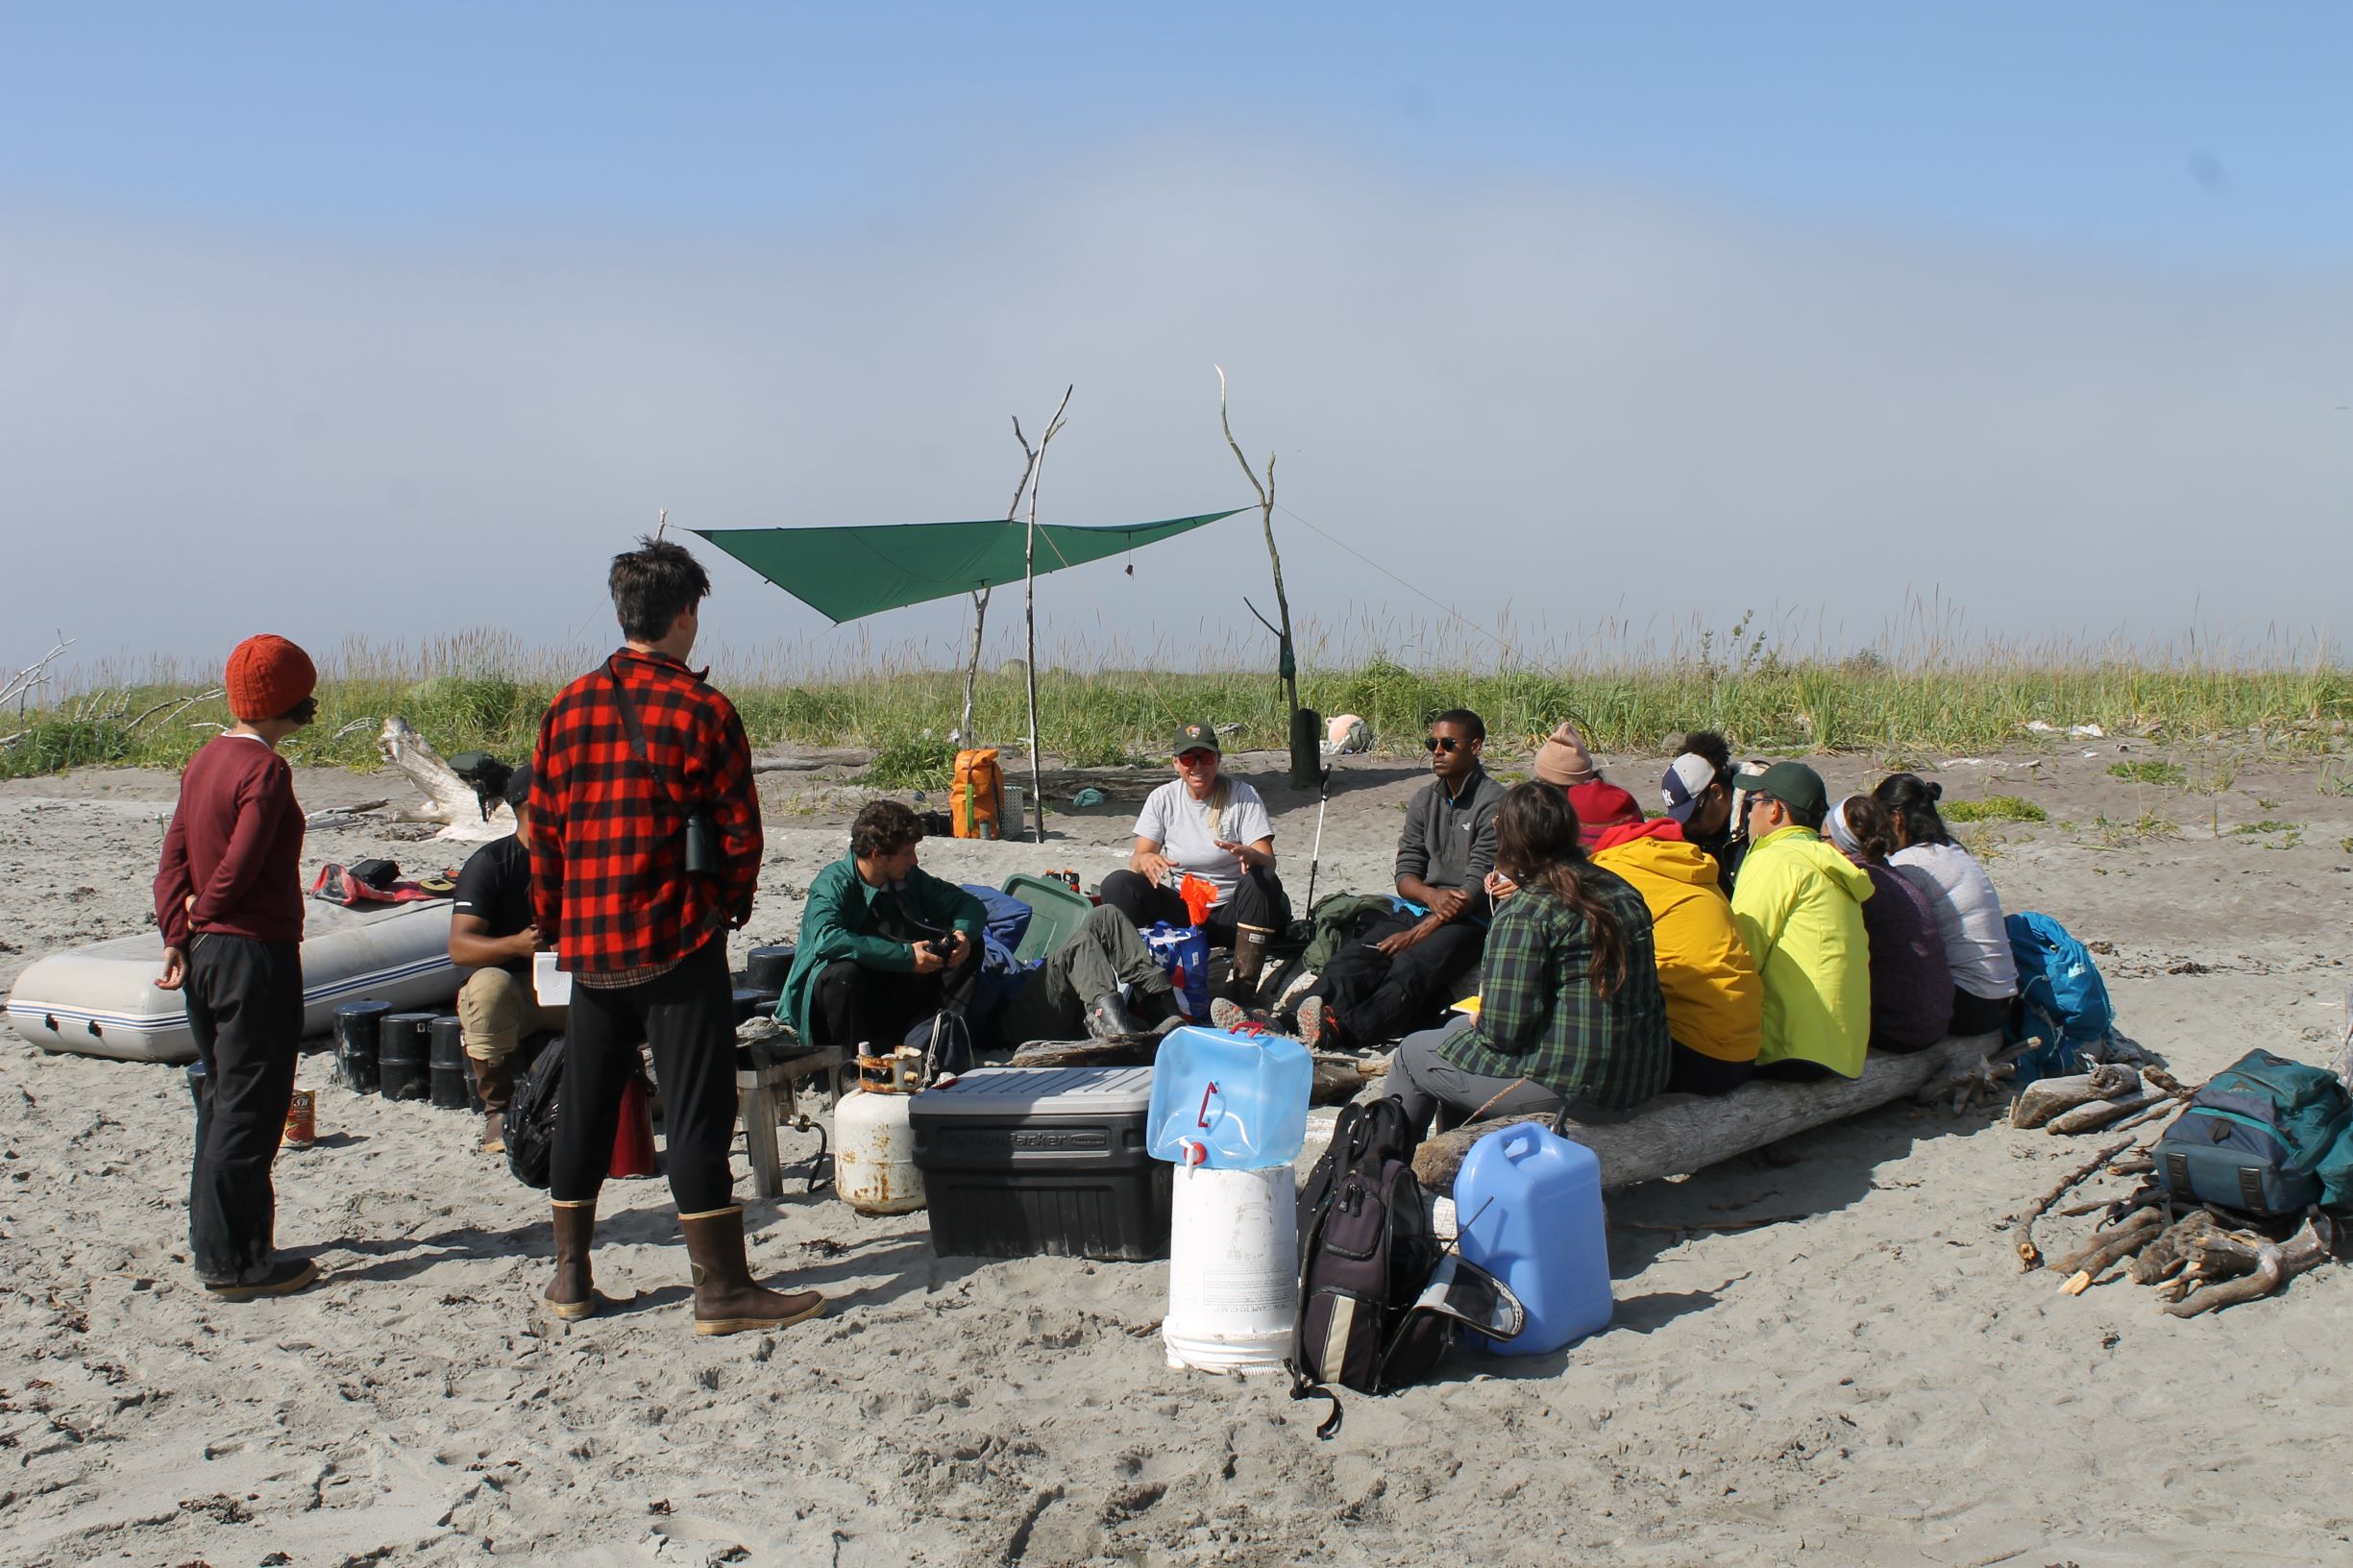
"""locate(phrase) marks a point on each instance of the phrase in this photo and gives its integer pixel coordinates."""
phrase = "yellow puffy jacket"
(1715, 1001)
(1800, 905)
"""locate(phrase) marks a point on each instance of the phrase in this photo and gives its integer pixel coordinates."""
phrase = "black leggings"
(1259, 900)
(245, 1011)
(1977, 1014)
(688, 1016)
(1695, 1073)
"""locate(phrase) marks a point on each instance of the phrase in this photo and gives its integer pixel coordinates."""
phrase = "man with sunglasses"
(228, 900)
(1403, 968)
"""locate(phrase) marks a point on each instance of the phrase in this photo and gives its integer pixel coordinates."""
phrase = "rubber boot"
(572, 1296)
(494, 1081)
(1250, 944)
(284, 1277)
(725, 1300)
(1108, 1019)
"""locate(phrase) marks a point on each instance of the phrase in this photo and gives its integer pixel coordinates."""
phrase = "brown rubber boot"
(572, 1296)
(1250, 944)
(725, 1300)
(495, 1081)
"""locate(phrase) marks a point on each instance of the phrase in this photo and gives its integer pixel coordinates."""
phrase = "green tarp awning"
(846, 572)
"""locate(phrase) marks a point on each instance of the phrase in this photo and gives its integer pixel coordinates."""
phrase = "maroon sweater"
(236, 844)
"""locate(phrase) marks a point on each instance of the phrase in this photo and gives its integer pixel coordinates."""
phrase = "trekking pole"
(1323, 795)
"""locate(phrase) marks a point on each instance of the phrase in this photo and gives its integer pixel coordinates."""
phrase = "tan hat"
(1563, 760)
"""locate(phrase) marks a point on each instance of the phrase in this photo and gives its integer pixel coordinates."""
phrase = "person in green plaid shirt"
(1570, 1010)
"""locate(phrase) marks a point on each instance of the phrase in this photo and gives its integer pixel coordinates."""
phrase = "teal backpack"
(2266, 1135)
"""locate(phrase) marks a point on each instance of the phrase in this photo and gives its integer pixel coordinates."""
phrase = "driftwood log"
(1677, 1133)
(448, 799)
(2257, 1265)
(2094, 1256)
(2169, 1255)
(2047, 1098)
(2092, 1115)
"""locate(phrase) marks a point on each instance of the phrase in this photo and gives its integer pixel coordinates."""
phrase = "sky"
(1574, 329)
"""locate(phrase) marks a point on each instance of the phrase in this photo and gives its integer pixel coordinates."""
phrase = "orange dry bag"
(979, 797)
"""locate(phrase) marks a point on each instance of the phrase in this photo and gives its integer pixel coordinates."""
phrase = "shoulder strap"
(630, 722)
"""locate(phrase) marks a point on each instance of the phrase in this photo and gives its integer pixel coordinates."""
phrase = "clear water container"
(1229, 1100)
(1529, 1209)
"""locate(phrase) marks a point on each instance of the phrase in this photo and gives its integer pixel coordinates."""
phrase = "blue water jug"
(1184, 951)
(1229, 1100)
(1528, 1203)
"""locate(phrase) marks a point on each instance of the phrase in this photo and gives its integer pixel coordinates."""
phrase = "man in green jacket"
(884, 943)
(1800, 906)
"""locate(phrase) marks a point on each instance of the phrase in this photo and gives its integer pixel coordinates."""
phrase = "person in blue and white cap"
(1698, 793)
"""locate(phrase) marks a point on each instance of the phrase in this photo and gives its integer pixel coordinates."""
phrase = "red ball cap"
(267, 677)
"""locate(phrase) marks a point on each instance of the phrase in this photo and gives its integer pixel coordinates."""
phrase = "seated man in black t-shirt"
(491, 932)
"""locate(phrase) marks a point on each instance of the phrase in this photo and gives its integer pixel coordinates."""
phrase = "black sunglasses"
(1442, 743)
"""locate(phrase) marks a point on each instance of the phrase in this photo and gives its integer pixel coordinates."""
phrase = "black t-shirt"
(495, 885)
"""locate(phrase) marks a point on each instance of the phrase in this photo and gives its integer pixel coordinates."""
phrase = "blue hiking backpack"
(2264, 1136)
(2060, 996)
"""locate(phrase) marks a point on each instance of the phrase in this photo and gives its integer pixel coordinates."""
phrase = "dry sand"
(1867, 1379)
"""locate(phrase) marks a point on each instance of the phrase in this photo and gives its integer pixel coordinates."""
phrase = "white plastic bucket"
(1232, 1269)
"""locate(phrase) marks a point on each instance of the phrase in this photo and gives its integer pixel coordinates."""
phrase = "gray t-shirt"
(1180, 827)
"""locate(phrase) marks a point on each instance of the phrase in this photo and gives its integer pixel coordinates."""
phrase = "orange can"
(302, 1119)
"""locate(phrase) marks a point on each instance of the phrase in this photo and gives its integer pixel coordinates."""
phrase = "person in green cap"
(1204, 823)
(1799, 903)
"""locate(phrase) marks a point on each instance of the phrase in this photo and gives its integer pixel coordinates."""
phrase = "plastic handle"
(1203, 1120)
(1519, 1145)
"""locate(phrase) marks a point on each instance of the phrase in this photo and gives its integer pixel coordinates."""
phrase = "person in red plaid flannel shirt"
(643, 937)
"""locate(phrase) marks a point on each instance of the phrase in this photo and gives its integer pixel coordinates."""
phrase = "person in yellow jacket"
(1800, 906)
(1715, 1000)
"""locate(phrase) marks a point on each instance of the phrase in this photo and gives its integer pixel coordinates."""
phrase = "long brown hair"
(1536, 846)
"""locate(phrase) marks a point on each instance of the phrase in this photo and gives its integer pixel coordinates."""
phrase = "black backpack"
(531, 1116)
(1365, 1253)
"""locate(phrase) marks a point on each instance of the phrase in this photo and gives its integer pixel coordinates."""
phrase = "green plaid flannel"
(1541, 1016)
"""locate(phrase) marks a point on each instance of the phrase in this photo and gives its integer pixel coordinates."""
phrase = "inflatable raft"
(102, 1001)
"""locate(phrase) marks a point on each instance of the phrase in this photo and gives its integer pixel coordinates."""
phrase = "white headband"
(1835, 825)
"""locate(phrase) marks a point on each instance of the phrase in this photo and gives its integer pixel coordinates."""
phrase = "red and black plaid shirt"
(609, 877)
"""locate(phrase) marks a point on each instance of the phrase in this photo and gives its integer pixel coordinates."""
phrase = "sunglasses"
(1196, 758)
(1442, 743)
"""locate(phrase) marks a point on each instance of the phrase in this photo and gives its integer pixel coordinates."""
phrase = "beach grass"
(485, 691)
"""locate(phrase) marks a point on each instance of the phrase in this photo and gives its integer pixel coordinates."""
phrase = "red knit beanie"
(1600, 806)
(267, 677)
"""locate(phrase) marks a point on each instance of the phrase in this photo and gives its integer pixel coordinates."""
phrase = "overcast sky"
(399, 323)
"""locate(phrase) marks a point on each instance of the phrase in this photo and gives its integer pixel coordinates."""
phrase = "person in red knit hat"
(228, 900)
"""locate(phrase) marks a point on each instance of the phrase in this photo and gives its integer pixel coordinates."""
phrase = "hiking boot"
(1106, 1018)
(286, 1276)
(725, 1300)
(572, 1296)
(1227, 1014)
(1315, 1020)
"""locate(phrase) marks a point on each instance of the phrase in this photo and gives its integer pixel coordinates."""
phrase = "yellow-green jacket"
(1800, 905)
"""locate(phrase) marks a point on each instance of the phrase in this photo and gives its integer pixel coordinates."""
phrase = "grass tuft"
(1993, 808)
(2148, 772)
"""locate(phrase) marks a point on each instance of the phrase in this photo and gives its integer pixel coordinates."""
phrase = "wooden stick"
(2168, 1254)
(2029, 1257)
(1029, 604)
(2091, 1118)
(1286, 668)
(2273, 1264)
(2084, 1265)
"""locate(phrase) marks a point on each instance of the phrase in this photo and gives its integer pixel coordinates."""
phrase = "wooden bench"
(767, 1092)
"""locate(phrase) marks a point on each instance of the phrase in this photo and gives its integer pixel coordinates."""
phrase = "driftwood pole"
(980, 595)
(1287, 662)
(1029, 602)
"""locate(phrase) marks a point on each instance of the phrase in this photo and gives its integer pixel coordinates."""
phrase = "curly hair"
(883, 827)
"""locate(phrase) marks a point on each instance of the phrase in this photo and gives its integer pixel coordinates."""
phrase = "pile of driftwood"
(2199, 1257)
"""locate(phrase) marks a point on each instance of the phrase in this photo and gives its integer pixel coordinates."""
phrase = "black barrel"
(356, 1029)
(404, 1056)
(750, 1003)
(449, 1069)
(766, 969)
(1307, 749)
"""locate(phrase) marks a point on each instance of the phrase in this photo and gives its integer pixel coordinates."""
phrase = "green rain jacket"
(843, 916)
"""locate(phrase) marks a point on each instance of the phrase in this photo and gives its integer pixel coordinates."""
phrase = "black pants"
(859, 1006)
(1259, 900)
(1696, 1072)
(245, 1008)
(1974, 1015)
(1379, 998)
(1795, 1069)
(688, 1016)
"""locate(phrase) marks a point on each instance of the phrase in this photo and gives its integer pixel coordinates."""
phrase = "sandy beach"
(1866, 1379)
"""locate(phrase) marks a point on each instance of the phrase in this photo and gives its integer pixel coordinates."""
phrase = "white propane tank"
(873, 1153)
(1232, 1269)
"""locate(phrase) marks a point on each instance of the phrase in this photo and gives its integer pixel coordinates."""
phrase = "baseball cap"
(1196, 738)
(518, 790)
(1687, 778)
(1600, 806)
(1793, 784)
